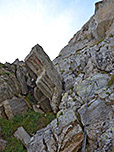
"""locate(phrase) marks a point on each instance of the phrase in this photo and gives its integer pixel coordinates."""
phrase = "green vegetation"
(97, 42)
(71, 88)
(14, 146)
(111, 81)
(62, 71)
(5, 73)
(79, 119)
(70, 69)
(60, 113)
(110, 35)
(112, 77)
(103, 72)
(74, 99)
(31, 121)
(107, 93)
(2, 65)
(30, 99)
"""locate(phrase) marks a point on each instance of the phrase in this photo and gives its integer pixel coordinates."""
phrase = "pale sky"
(49, 23)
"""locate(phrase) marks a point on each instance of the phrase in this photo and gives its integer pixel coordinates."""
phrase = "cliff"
(71, 99)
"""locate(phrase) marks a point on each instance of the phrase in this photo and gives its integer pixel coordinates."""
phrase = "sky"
(49, 23)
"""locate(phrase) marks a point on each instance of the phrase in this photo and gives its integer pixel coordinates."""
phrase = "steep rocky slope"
(85, 119)
(86, 66)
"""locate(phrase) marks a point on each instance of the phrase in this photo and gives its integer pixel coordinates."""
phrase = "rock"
(47, 79)
(70, 101)
(62, 134)
(95, 112)
(2, 144)
(43, 101)
(37, 109)
(42, 140)
(21, 79)
(85, 121)
(104, 59)
(22, 135)
(13, 80)
(96, 118)
(111, 97)
(92, 85)
(14, 106)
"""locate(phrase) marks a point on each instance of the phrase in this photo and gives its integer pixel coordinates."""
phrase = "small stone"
(22, 135)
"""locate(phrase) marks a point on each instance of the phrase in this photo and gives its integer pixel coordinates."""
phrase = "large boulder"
(98, 121)
(14, 107)
(22, 135)
(88, 88)
(47, 78)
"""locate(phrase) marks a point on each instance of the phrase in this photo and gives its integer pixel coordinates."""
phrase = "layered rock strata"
(48, 82)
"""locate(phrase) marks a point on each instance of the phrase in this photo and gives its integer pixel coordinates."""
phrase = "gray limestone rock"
(47, 79)
(22, 135)
(97, 119)
(21, 79)
(92, 86)
(61, 135)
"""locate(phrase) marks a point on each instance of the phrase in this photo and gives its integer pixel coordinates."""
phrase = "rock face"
(22, 135)
(48, 81)
(12, 80)
(14, 107)
(86, 66)
(85, 120)
(64, 134)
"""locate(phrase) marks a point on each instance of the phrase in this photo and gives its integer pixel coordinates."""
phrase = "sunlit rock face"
(48, 81)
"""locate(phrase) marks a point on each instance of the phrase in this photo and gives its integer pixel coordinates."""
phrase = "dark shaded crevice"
(84, 140)
(83, 148)
(46, 148)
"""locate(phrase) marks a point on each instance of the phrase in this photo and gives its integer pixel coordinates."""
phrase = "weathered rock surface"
(22, 135)
(14, 107)
(47, 79)
(85, 121)
(12, 80)
(86, 66)
(63, 134)
(2, 144)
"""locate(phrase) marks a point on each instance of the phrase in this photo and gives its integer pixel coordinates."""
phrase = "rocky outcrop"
(85, 121)
(89, 47)
(63, 134)
(86, 66)
(98, 121)
(14, 107)
(47, 79)
(12, 80)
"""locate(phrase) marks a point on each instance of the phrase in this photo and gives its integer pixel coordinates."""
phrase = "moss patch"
(62, 71)
(71, 88)
(110, 35)
(31, 121)
(5, 73)
(30, 98)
